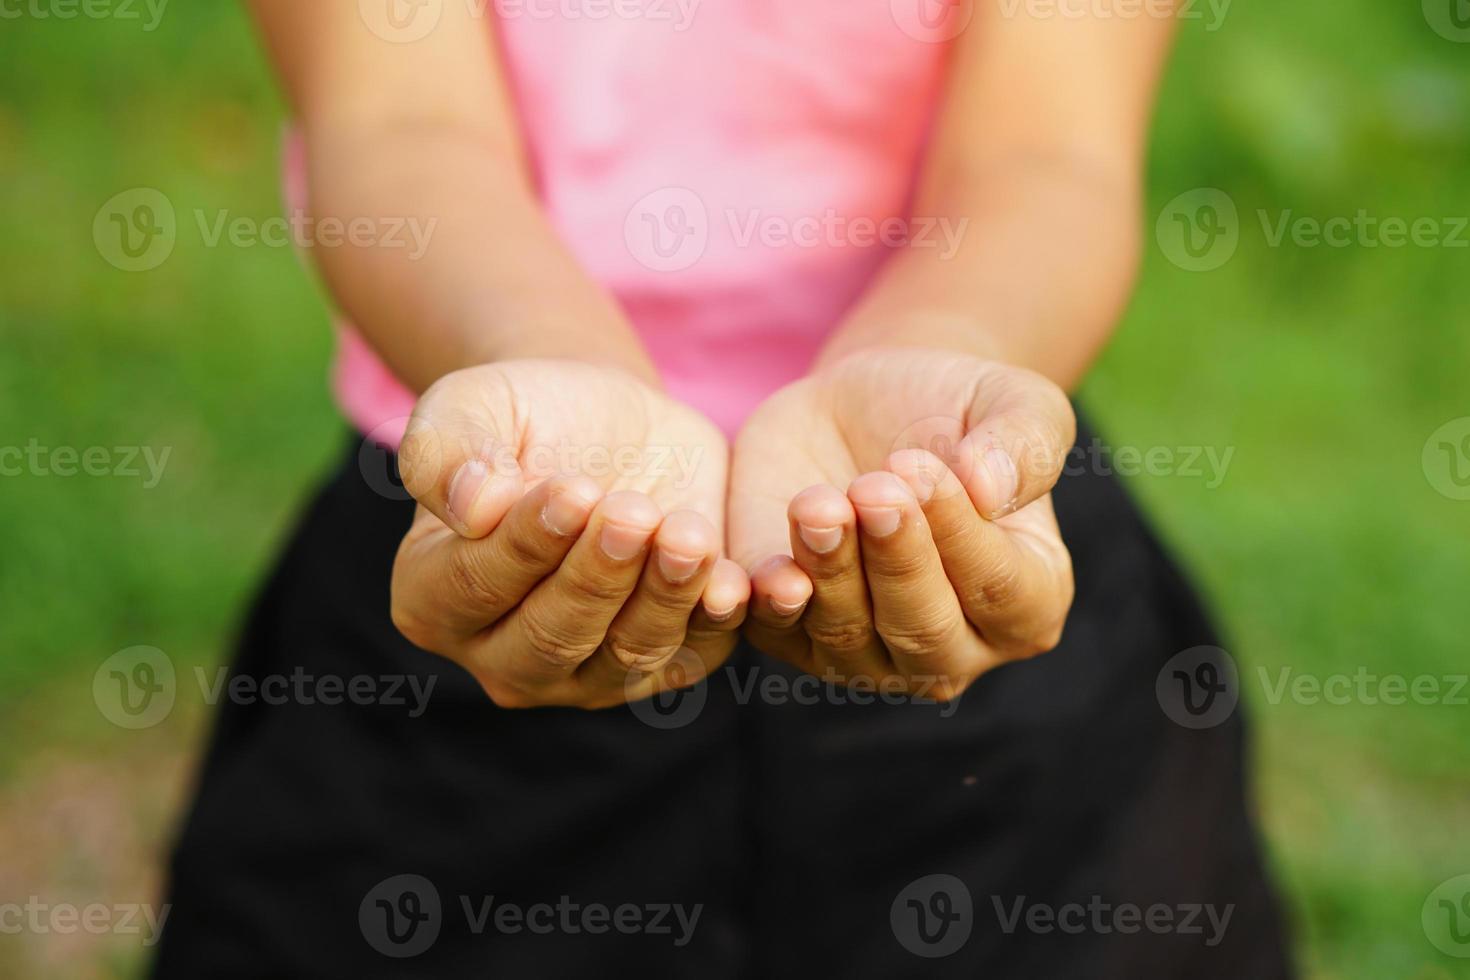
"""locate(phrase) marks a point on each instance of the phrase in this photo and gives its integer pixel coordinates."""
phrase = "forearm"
(1035, 268)
(487, 280)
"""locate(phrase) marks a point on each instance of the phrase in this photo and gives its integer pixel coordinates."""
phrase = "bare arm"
(425, 130)
(1036, 165)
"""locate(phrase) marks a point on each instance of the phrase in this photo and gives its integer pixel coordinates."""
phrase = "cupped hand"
(568, 536)
(894, 513)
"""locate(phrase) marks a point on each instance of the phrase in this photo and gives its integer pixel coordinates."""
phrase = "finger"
(839, 618)
(458, 456)
(708, 642)
(1019, 428)
(446, 585)
(915, 609)
(565, 618)
(1013, 577)
(650, 628)
(779, 592)
(726, 598)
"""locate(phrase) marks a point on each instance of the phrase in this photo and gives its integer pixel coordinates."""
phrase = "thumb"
(458, 457)
(1019, 428)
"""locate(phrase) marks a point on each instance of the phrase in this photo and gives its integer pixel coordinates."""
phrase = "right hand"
(568, 536)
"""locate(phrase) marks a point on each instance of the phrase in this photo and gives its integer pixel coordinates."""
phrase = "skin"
(551, 574)
(875, 532)
(891, 543)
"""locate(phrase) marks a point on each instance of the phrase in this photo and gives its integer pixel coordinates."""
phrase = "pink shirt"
(733, 171)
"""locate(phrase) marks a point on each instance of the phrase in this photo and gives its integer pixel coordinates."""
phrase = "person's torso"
(733, 172)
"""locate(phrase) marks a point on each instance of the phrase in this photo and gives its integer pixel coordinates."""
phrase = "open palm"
(954, 457)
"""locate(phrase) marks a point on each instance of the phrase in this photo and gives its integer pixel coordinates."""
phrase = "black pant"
(1053, 823)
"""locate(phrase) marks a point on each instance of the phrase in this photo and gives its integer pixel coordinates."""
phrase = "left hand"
(894, 512)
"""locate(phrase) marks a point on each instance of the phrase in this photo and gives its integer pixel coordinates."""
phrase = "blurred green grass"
(1324, 549)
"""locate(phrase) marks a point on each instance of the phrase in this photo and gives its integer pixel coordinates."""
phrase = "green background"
(1326, 548)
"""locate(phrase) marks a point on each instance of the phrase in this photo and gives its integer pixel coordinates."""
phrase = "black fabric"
(806, 833)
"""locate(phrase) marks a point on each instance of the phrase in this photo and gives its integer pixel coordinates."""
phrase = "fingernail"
(1002, 478)
(820, 539)
(678, 568)
(465, 487)
(880, 522)
(721, 616)
(787, 608)
(565, 513)
(622, 543)
(918, 473)
(922, 483)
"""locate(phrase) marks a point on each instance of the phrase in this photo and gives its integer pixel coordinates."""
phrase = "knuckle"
(899, 565)
(470, 583)
(918, 639)
(842, 639)
(552, 640)
(664, 604)
(995, 591)
(416, 450)
(639, 655)
(588, 584)
(524, 551)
